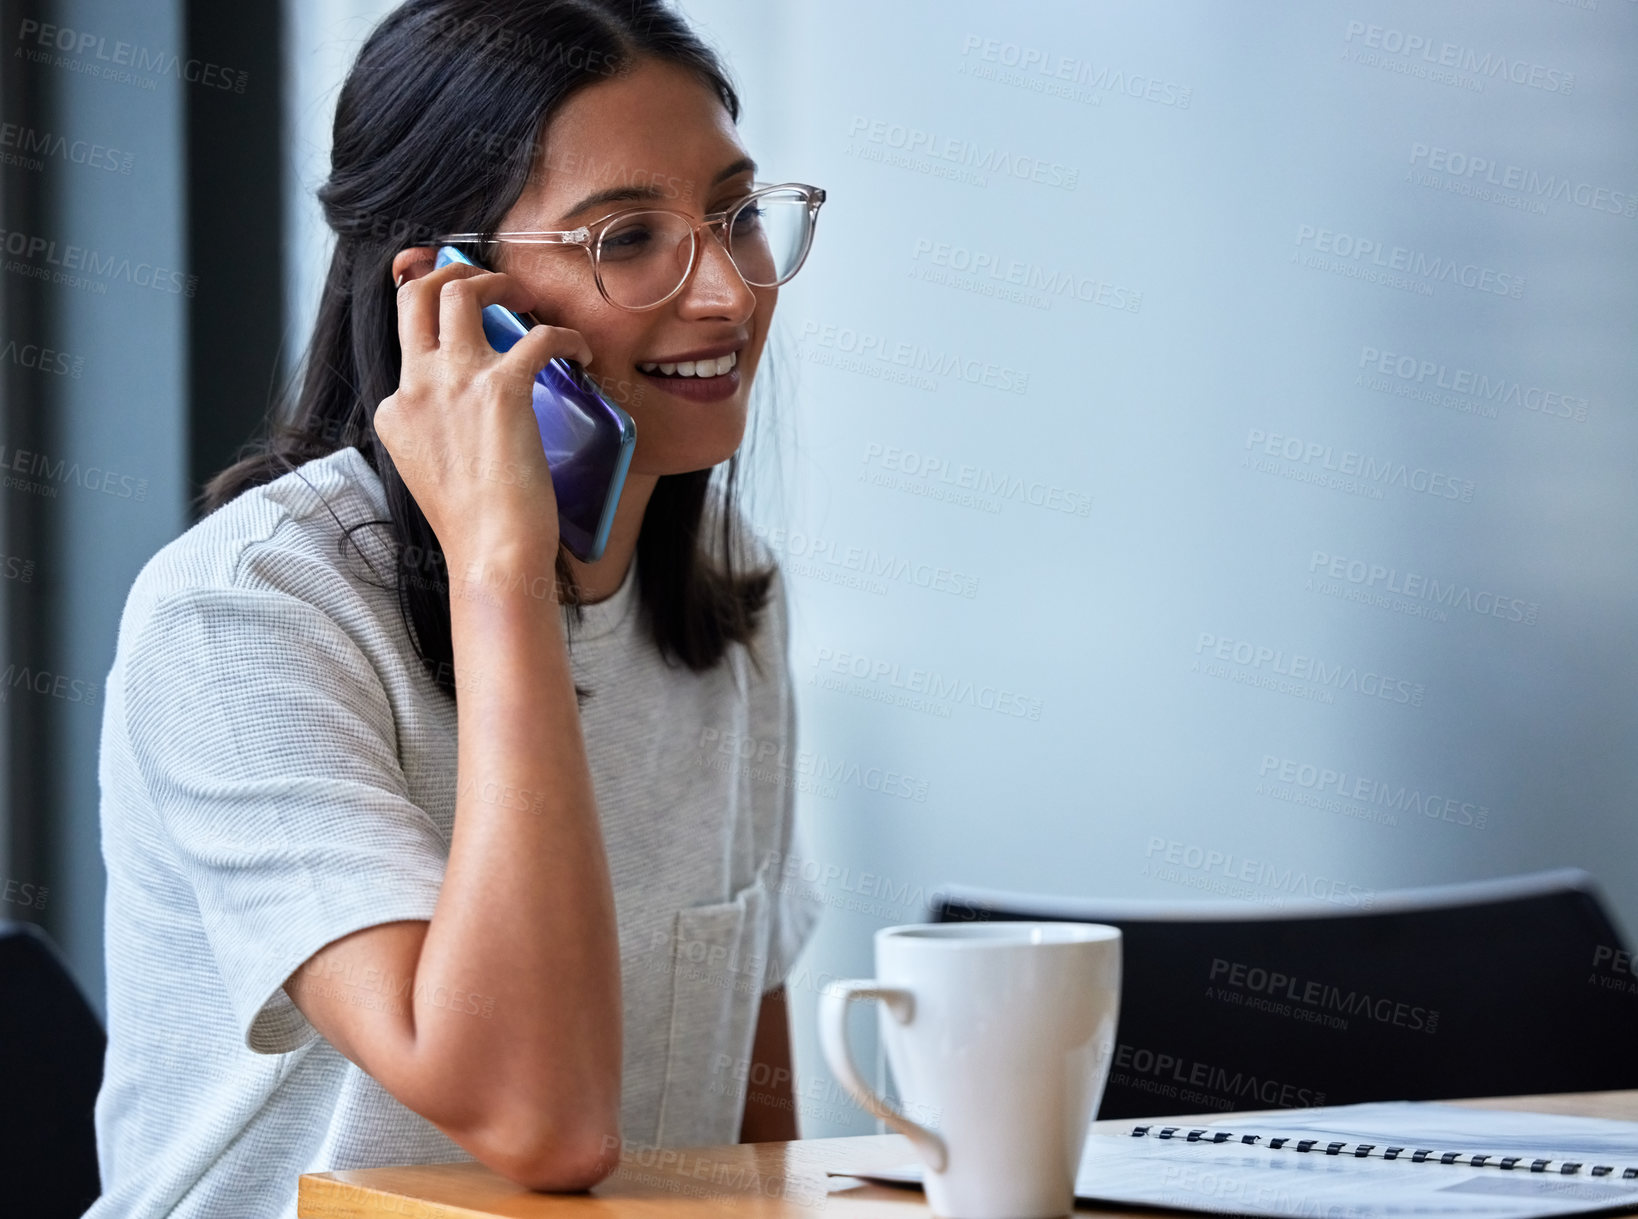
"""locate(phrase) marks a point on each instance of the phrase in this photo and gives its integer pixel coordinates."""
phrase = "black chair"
(1490, 988)
(51, 1049)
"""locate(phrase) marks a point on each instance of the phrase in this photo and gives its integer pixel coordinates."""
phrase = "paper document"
(1461, 1174)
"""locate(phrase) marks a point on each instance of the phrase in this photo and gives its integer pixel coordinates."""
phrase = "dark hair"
(436, 131)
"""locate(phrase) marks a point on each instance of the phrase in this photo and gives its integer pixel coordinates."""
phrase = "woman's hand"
(460, 428)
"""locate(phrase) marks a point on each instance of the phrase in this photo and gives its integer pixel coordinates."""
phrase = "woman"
(354, 919)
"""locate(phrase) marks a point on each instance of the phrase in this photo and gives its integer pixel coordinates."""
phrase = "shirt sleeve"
(268, 747)
(795, 908)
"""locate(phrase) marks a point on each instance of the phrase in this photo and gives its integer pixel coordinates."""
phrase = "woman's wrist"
(506, 571)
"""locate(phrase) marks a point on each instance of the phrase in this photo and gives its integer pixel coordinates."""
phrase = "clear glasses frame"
(589, 237)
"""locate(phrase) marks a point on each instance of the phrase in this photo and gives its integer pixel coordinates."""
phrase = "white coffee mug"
(1001, 1035)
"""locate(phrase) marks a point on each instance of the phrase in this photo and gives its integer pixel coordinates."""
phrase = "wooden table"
(767, 1180)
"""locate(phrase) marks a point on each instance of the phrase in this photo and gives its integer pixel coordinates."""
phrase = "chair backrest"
(1490, 988)
(51, 1049)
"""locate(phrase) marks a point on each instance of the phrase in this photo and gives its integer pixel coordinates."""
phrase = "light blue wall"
(1161, 298)
(1189, 157)
(322, 37)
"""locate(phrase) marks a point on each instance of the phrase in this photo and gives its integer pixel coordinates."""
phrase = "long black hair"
(436, 131)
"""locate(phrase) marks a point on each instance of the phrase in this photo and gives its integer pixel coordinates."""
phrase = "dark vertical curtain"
(235, 185)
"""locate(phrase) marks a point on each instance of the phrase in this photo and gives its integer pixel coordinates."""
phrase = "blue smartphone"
(588, 439)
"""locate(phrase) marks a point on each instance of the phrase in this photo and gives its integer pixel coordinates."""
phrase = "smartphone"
(588, 440)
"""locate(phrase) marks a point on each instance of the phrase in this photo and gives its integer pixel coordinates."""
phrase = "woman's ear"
(412, 263)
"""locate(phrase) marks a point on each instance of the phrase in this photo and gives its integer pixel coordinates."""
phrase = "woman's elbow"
(556, 1160)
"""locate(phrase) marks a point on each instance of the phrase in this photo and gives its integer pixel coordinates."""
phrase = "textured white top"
(278, 770)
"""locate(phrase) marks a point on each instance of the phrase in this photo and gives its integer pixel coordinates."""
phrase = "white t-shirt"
(278, 770)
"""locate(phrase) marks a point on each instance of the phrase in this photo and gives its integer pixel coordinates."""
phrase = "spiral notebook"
(1370, 1161)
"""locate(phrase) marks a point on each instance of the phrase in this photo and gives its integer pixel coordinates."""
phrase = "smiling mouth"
(716, 367)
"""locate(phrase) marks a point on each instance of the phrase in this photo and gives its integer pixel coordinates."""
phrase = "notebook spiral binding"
(1417, 1155)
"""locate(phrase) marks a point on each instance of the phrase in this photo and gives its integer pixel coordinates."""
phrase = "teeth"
(693, 368)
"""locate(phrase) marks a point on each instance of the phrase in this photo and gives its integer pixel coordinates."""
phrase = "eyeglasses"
(642, 258)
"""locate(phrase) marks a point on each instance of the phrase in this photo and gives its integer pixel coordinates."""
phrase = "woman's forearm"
(526, 916)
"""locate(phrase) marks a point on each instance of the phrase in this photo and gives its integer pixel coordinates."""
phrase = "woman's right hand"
(461, 428)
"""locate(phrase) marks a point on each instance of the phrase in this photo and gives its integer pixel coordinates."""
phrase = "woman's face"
(660, 135)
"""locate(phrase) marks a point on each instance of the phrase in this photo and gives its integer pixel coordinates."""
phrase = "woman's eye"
(626, 240)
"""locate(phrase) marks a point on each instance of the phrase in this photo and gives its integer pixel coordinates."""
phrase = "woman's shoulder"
(291, 523)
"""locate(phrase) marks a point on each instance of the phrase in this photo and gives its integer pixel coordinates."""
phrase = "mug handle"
(833, 1003)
